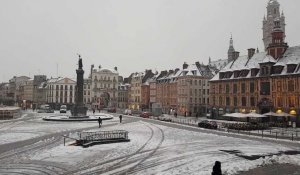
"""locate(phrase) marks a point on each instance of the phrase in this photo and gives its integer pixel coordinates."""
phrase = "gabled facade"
(140, 90)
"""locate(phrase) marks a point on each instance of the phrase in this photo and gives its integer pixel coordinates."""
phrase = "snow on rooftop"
(269, 59)
(291, 56)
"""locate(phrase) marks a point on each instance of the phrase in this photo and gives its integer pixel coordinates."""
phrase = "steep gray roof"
(291, 56)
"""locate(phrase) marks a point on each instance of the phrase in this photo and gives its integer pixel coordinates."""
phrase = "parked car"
(45, 109)
(145, 114)
(165, 118)
(127, 112)
(63, 109)
(113, 110)
(208, 124)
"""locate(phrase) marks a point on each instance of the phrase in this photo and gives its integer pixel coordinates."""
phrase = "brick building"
(260, 81)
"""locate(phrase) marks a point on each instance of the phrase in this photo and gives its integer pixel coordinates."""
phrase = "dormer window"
(277, 69)
(291, 68)
(244, 73)
(221, 75)
(254, 72)
(236, 74)
(265, 70)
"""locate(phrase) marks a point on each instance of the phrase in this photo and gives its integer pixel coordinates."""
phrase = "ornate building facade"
(260, 82)
(104, 88)
(60, 91)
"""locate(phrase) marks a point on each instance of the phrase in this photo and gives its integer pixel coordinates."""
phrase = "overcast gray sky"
(134, 35)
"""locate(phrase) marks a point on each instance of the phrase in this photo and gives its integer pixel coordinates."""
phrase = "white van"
(63, 109)
(127, 112)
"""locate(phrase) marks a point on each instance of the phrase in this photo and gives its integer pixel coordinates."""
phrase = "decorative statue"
(80, 62)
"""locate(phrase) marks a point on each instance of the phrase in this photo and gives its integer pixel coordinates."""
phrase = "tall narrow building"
(273, 13)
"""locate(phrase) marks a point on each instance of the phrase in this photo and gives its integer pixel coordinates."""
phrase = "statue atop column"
(80, 62)
(79, 109)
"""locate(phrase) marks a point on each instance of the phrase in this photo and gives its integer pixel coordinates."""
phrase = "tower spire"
(231, 50)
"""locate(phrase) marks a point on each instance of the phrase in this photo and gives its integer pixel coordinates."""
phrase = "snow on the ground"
(7, 138)
(181, 152)
(17, 130)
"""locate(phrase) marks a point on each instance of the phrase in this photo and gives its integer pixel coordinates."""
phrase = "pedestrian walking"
(93, 110)
(120, 118)
(100, 121)
(217, 169)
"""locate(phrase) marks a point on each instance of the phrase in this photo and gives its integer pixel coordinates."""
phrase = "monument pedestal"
(79, 111)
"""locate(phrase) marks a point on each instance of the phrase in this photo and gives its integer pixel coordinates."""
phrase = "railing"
(273, 132)
(82, 138)
(103, 135)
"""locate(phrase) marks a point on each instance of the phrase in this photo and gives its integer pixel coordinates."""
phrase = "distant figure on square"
(100, 121)
(217, 169)
(93, 110)
(120, 118)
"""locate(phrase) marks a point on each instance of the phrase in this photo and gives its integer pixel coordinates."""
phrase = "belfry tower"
(231, 50)
(273, 14)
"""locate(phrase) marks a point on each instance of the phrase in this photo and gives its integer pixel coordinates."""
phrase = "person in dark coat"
(217, 169)
(120, 118)
(100, 121)
(93, 110)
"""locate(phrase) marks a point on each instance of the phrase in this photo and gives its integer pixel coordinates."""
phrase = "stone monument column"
(79, 109)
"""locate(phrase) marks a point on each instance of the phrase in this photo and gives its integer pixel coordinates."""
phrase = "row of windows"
(194, 100)
(105, 85)
(62, 87)
(60, 93)
(264, 87)
(88, 93)
(122, 99)
(228, 101)
(194, 91)
(194, 82)
(101, 78)
(235, 88)
(60, 100)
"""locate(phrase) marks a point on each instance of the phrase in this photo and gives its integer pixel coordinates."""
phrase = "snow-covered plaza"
(155, 148)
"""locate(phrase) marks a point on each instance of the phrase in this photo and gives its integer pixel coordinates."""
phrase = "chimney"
(236, 55)
(251, 52)
(171, 71)
(116, 68)
(184, 66)
(197, 64)
(92, 67)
